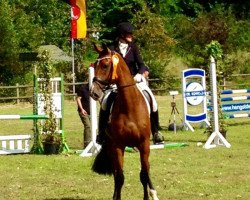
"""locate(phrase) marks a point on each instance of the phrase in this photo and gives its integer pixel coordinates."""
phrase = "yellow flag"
(78, 19)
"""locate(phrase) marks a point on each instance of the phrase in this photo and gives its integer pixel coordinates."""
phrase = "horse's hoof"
(100, 140)
(153, 194)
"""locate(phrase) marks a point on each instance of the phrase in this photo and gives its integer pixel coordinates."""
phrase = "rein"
(124, 86)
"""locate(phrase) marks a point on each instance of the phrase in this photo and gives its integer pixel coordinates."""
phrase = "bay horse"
(129, 121)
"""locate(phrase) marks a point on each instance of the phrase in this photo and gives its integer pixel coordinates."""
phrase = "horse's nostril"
(94, 95)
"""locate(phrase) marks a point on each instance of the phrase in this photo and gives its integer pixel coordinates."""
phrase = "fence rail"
(25, 92)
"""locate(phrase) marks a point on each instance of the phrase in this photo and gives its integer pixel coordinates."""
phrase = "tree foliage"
(165, 30)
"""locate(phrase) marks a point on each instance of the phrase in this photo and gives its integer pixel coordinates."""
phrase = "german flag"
(78, 19)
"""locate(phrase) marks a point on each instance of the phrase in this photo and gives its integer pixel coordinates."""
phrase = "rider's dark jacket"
(132, 57)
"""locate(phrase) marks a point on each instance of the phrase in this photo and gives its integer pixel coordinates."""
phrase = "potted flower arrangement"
(50, 137)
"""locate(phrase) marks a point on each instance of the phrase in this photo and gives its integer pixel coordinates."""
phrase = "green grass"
(179, 173)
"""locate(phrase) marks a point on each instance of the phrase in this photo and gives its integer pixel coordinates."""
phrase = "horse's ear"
(98, 49)
(106, 49)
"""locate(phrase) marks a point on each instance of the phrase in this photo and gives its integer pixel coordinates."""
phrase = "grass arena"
(178, 173)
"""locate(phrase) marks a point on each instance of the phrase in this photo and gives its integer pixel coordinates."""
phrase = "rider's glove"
(138, 78)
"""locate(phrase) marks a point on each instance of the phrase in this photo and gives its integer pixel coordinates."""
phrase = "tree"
(160, 25)
(204, 29)
(25, 26)
(53, 17)
(153, 39)
(8, 43)
(112, 12)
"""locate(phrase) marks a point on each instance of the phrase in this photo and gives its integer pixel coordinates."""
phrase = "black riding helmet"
(124, 28)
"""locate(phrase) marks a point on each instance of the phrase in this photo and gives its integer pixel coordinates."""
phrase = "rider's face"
(127, 37)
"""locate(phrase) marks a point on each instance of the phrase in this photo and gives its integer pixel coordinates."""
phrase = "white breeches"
(143, 86)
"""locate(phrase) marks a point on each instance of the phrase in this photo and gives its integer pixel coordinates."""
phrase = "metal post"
(17, 93)
(73, 66)
(37, 146)
(65, 146)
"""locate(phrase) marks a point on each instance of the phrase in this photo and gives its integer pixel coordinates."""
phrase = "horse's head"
(104, 71)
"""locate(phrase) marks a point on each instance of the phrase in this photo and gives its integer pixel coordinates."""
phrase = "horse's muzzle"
(96, 92)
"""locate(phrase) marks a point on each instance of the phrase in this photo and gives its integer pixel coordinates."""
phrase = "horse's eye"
(105, 66)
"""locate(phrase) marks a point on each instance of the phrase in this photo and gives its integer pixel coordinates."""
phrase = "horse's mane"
(124, 68)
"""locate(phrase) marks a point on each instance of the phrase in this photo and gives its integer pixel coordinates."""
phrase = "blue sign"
(235, 107)
(195, 93)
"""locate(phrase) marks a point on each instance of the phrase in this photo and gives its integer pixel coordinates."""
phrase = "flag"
(78, 19)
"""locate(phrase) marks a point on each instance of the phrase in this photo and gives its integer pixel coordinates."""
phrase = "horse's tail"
(102, 163)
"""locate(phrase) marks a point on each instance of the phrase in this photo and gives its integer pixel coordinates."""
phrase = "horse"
(129, 121)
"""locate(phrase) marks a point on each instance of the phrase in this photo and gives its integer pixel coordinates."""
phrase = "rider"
(131, 55)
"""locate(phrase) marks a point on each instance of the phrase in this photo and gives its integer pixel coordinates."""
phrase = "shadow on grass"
(238, 123)
(69, 198)
(66, 198)
(186, 141)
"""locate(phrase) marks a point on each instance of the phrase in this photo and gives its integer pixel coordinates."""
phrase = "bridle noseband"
(103, 84)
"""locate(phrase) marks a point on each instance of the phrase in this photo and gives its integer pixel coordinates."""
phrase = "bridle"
(104, 84)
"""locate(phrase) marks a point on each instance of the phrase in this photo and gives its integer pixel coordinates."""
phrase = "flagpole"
(73, 66)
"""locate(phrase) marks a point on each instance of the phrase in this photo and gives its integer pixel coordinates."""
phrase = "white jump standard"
(216, 138)
(92, 148)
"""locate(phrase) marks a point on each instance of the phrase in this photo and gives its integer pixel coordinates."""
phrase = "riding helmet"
(125, 27)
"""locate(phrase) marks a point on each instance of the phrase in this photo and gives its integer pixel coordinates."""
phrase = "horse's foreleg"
(144, 174)
(118, 173)
(144, 180)
(152, 191)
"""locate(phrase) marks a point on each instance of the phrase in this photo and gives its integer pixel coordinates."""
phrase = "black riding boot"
(104, 118)
(157, 136)
(102, 126)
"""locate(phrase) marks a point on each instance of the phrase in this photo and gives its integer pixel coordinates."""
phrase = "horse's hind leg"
(119, 180)
(118, 174)
(144, 175)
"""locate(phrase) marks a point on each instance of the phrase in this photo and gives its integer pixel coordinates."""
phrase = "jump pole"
(25, 117)
(92, 148)
(216, 138)
(13, 144)
(160, 146)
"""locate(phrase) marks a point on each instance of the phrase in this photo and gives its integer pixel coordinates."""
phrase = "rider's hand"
(138, 78)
